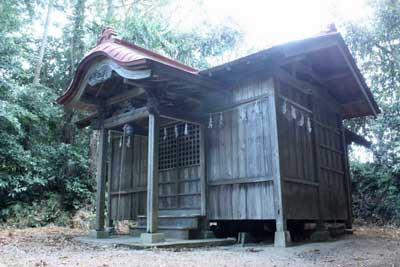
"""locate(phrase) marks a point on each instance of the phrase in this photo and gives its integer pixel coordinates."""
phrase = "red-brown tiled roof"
(124, 54)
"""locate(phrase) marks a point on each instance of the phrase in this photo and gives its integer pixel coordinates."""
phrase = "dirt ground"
(53, 246)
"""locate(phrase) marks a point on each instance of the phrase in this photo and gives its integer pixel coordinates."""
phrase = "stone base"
(320, 236)
(99, 234)
(151, 238)
(282, 239)
(349, 231)
(244, 238)
(111, 231)
(205, 234)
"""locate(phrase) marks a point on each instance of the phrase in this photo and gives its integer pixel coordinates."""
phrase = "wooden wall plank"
(239, 158)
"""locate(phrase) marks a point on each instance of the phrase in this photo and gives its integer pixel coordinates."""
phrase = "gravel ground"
(53, 246)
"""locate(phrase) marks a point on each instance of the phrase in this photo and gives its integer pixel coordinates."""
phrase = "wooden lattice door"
(179, 165)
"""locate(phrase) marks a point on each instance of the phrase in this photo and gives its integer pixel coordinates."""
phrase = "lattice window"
(167, 149)
(182, 151)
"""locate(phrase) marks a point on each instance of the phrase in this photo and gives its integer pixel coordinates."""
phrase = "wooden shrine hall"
(256, 142)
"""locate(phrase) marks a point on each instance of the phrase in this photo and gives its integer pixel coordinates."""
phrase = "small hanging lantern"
(165, 134)
(186, 132)
(284, 107)
(120, 142)
(221, 120)
(210, 122)
(176, 131)
(128, 130)
(294, 115)
(301, 121)
(309, 125)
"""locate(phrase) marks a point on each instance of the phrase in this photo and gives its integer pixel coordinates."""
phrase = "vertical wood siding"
(133, 181)
(297, 159)
(239, 158)
(332, 178)
(179, 188)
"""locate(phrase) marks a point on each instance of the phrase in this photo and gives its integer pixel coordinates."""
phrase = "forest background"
(46, 174)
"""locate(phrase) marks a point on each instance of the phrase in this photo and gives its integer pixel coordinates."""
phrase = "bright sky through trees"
(275, 21)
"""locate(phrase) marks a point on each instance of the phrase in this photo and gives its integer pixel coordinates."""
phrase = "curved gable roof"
(123, 53)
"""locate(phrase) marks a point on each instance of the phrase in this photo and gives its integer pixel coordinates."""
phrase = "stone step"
(172, 222)
(170, 233)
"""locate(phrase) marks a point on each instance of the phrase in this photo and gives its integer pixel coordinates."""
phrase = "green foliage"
(44, 168)
(151, 30)
(375, 42)
(32, 160)
(38, 213)
(376, 193)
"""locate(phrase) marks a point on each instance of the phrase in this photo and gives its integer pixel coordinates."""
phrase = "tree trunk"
(43, 43)
(110, 11)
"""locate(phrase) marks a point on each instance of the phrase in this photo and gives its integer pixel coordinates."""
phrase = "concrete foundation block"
(151, 238)
(320, 236)
(244, 238)
(111, 231)
(282, 239)
(99, 234)
(205, 234)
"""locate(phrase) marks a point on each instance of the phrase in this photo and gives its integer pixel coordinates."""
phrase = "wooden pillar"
(316, 157)
(203, 182)
(101, 185)
(152, 174)
(282, 236)
(110, 222)
(321, 234)
(347, 177)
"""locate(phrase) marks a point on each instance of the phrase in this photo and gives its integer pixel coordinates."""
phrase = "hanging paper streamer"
(301, 121)
(259, 108)
(309, 125)
(165, 134)
(294, 115)
(210, 122)
(186, 132)
(176, 131)
(221, 120)
(284, 107)
(243, 114)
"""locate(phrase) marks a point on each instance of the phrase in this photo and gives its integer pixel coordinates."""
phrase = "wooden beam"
(241, 181)
(201, 81)
(304, 87)
(336, 76)
(169, 113)
(126, 117)
(307, 46)
(139, 189)
(101, 180)
(152, 174)
(355, 73)
(301, 181)
(82, 123)
(351, 137)
(127, 95)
